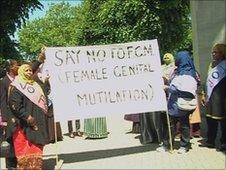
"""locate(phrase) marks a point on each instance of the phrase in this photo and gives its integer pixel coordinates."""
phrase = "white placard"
(95, 81)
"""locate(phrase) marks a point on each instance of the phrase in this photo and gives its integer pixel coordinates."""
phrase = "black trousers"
(185, 130)
(147, 128)
(77, 126)
(212, 130)
(11, 161)
(161, 127)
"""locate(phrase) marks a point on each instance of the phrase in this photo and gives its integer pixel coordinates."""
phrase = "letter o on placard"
(136, 94)
(30, 89)
(215, 75)
(101, 53)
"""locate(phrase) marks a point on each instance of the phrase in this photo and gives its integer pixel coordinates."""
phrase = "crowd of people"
(26, 110)
(183, 82)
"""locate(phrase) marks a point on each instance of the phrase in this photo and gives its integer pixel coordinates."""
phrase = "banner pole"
(169, 131)
(55, 136)
(58, 163)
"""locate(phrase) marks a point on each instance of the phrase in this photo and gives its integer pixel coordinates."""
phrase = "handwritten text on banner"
(94, 81)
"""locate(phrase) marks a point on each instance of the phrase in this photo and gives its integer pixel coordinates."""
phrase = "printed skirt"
(29, 155)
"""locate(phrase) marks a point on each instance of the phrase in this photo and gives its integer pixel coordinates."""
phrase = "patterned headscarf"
(21, 74)
(185, 65)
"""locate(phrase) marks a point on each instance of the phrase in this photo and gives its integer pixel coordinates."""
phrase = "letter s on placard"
(57, 56)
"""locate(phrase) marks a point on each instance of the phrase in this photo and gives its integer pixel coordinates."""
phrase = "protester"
(168, 65)
(28, 104)
(160, 118)
(95, 128)
(11, 71)
(179, 88)
(11, 67)
(52, 125)
(153, 124)
(147, 128)
(215, 99)
(44, 84)
(136, 122)
(195, 117)
(43, 81)
(77, 128)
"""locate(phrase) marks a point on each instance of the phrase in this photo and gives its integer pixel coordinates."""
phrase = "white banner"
(95, 81)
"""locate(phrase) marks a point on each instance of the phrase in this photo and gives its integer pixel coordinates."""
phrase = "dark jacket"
(4, 85)
(22, 107)
(7, 115)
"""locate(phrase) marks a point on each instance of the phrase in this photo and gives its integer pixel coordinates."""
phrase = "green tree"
(56, 28)
(111, 21)
(13, 14)
(118, 21)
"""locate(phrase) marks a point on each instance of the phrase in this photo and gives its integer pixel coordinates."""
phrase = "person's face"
(28, 73)
(217, 55)
(166, 59)
(14, 68)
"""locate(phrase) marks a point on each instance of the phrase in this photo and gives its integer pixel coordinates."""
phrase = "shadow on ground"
(98, 154)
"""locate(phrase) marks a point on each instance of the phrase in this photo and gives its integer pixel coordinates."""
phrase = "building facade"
(208, 28)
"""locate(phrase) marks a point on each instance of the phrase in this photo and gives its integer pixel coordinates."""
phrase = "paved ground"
(124, 151)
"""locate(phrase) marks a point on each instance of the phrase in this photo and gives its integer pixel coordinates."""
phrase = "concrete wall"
(208, 27)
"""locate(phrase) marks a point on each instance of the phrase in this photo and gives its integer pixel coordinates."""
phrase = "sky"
(46, 4)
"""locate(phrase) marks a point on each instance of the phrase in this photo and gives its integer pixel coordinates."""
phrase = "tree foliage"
(111, 21)
(13, 14)
(117, 21)
(56, 28)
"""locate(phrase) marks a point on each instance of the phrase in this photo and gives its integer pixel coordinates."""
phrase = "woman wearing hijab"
(179, 87)
(28, 104)
(151, 124)
(195, 119)
(160, 119)
(168, 65)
